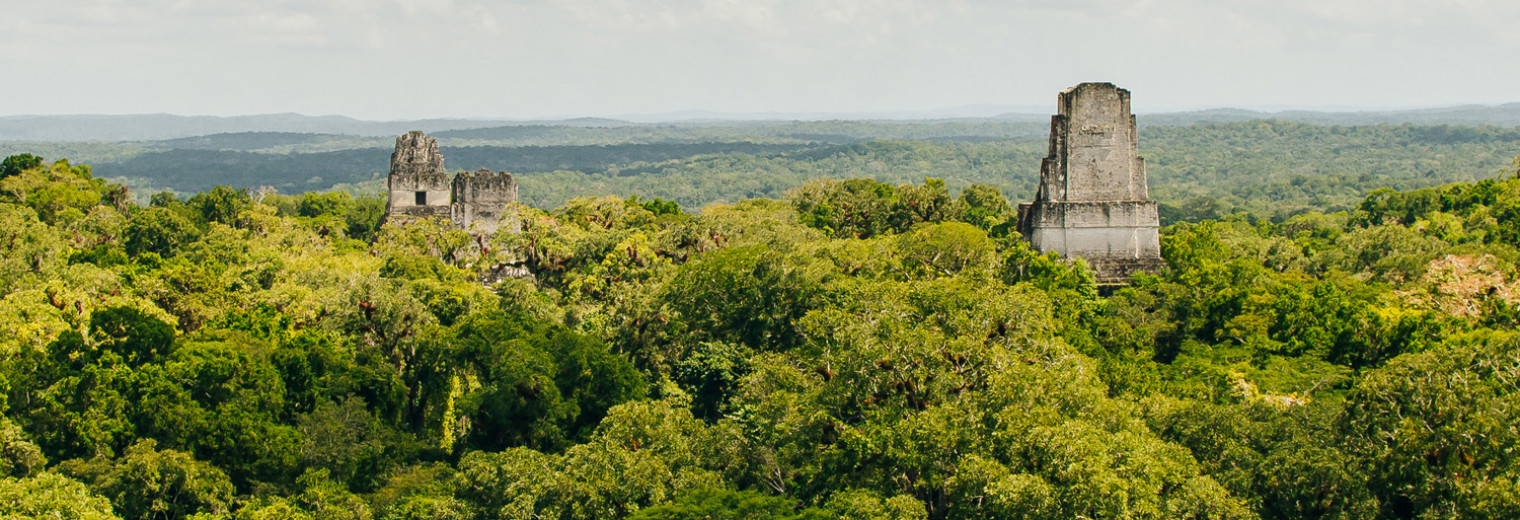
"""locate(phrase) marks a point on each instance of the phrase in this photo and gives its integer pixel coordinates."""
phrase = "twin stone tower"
(421, 188)
(1093, 202)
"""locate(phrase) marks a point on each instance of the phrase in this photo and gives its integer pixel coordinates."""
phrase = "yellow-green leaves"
(50, 495)
(947, 249)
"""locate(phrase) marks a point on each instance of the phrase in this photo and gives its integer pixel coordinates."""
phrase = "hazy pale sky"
(403, 59)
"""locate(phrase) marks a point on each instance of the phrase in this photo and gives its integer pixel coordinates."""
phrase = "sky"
(521, 59)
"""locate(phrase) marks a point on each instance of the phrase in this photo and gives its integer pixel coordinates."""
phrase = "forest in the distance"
(1201, 165)
(850, 348)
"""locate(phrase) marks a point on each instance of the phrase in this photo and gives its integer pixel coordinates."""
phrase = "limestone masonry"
(421, 188)
(1093, 201)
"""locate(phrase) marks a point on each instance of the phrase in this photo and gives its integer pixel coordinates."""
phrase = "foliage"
(221, 204)
(19, 457)
(160, 231)
(147, 484)
(59, 192)
(1274, 169)
(740, 505)
(540, 386)
(15, 164)
(860, 350)
(51, 496)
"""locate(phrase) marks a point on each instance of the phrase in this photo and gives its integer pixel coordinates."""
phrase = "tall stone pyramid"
(1093, 201)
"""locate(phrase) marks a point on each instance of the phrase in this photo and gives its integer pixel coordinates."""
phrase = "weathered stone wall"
(481, 199)
(417, 167)
(1093, 199)
(1094, 146)
(416, 153)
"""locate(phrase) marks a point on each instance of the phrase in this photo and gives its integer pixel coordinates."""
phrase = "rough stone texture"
(481, 200)
(1093, 201)
(476, 201)
(417, 167)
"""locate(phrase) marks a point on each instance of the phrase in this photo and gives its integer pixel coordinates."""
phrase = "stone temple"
(1093, 202)
(421, 188)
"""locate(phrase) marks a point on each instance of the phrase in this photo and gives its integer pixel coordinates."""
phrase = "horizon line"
(706, 115)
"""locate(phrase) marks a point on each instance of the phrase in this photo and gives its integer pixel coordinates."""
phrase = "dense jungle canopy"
(853, 349)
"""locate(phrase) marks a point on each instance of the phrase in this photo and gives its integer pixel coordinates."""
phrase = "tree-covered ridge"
(146, 128)
(1277, 168)
(857, 350)
(1273, 169)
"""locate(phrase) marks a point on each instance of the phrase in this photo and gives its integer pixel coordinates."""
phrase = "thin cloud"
(530, 58)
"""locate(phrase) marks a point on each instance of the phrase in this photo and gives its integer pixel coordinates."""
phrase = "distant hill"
(1269, 167)
(829, 131)
(247, 141)
(193, 170)
(502, 133)
(154, 127)
(1507, 115)
(161, 127)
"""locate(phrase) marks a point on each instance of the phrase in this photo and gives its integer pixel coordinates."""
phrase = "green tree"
(737, 505)
(541, 385)
(159, 230)
(220, 397)
(128, 335)
(983, 206)
(1413, 418)
(332, 203)
(343, 439)
(76, 398)
(326, 499)
(946, 249)
(51, 496)
(59, 193)
(19, 457)
(1048, 271)
(221, 204)
(711, 373)
(34, 250)
(148, 484)
(15, 164)
(864, 505)
(364, 217)
(747, 295)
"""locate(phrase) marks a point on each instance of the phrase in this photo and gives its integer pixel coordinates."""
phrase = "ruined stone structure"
(1093, 201)
(421, 188)
(481, 199)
